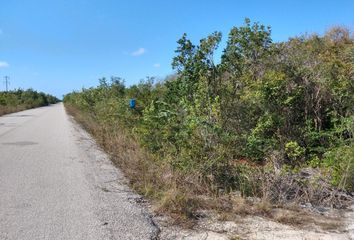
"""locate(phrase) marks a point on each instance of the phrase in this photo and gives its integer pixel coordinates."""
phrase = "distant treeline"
(248, 122)
(18, 100)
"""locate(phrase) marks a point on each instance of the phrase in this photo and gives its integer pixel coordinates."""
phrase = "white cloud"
(157, 65)
(4, 64)
(138, 52)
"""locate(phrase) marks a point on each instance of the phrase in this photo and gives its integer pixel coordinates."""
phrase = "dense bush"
(287, 105)
(23, 99)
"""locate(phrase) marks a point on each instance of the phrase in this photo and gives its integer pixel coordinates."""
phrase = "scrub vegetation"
(273, 121)
(18, 100)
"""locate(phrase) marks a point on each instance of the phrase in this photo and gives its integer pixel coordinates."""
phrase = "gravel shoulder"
(254, 228)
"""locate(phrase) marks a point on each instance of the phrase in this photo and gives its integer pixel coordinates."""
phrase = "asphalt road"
(56, 184)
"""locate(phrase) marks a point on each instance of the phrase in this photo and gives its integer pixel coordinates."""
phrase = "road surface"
(56, 184)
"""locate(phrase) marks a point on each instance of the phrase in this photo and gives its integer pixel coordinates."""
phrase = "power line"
(7, 83)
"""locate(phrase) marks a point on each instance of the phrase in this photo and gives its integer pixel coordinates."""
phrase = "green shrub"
(340, 163)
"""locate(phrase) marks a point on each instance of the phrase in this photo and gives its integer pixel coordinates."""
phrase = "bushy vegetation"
(18, 100)
(263, 112)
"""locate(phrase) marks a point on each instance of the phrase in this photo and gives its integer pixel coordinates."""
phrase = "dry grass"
(300, 218)
(231, 207)
(6, 109)
(290, 217)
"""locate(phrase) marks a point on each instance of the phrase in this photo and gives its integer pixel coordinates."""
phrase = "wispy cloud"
(157, 65)
(1, 31)
(4, 64)
(138, 52)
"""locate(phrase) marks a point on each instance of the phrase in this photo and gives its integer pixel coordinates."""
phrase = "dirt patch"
(287, 224)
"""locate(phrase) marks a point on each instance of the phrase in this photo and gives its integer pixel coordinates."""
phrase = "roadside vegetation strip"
(18, 100)
(271, 121)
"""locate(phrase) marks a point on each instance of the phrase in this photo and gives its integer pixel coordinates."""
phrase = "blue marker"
(132, 103)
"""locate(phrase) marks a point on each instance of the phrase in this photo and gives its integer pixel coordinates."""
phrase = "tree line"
(17, 100)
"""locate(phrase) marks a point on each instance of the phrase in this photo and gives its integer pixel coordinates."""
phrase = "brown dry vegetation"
(6, 110)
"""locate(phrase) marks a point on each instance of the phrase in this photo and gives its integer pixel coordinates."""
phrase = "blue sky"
(58, 46)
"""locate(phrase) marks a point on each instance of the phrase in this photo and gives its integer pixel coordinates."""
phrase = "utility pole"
(7, 83)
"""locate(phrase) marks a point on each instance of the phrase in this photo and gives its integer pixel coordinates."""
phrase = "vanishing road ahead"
(56, 184)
